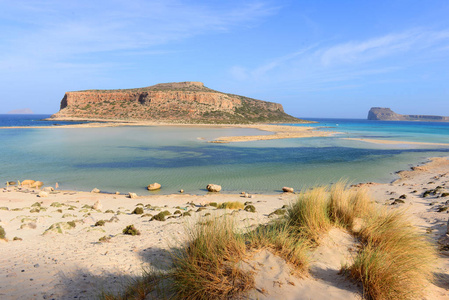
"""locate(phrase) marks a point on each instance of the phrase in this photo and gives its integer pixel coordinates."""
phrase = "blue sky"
(317, 58)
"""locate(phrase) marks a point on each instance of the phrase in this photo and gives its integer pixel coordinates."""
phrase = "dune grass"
(281, 240)
(345, 205)
(394, 262)
(207, 268)
(231, 205)
(309, 214)
(139, 288)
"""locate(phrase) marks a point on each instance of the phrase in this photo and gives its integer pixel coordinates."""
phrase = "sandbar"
(390, 142)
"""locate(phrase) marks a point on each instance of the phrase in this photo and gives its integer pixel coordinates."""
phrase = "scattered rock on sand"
(43, 194)
(153, 186)
(132, 195)
(287, 189)
(37, 184)
(95, 190)
(213, 187)
(27, 182)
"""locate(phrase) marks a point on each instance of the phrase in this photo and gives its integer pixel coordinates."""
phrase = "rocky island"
(21, 111)
(386, 114)
(178, 102)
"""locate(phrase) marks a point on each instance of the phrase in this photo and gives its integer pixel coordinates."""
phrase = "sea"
(127, 159)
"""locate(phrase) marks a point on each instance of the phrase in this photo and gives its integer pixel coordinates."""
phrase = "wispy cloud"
(34, 33)
(321, 64)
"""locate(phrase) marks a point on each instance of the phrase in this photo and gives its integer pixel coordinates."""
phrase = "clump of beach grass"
(139, 288)
(345, 205)
(309, 215)
(250, 208)
(281, 240)
(131, 230)
(161, 216)
(138, 210)
(207, 267)
(396, 261)
(2, 233)
(231, 205)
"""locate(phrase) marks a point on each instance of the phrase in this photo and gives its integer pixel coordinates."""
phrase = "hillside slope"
(179, 102)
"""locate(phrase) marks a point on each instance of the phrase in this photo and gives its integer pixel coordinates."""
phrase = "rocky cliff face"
(386, 114)
(183, 102)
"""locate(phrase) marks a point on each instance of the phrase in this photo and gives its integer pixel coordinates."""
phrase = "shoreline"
(74, 263)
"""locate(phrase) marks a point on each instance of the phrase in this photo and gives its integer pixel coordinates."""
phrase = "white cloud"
(36, 33)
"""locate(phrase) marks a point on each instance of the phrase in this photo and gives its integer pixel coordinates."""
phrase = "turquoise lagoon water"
(127, 159)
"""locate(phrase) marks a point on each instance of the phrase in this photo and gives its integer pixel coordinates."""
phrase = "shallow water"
(127, 159)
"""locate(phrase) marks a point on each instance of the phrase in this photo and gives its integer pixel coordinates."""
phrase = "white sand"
(390, 142)
(75, 264)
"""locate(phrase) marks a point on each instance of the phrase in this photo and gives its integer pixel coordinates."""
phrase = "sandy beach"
(53, 248)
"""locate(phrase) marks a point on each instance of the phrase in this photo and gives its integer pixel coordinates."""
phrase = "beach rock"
(37, 184)
(95, 190)
(181, 191)
(27, 182)
(117, 193)
(97, 205)
(12, 183)
(213, 188)
(153, 186)
(43, 194)
(132, 195)
(48, 189)
(287, 189)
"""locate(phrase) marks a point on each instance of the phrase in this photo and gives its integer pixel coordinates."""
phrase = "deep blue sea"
(29, 120)
(127, 159)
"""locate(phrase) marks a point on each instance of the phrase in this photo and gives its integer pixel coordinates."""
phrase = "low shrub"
(231, 205)
(131, 230)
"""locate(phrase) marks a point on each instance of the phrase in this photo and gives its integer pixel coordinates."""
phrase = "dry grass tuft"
(140, 288)
(396, 261)
(309, 215)
(282, 241)
(207, 268)
(345, 205)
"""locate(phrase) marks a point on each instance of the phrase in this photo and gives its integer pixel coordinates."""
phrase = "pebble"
(36, 266)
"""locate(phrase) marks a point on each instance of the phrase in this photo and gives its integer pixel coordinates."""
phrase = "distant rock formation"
(386, 114)
(22, 111)
(178, 102)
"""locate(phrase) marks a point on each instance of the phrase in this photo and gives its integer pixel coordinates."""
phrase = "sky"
(322, 58)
